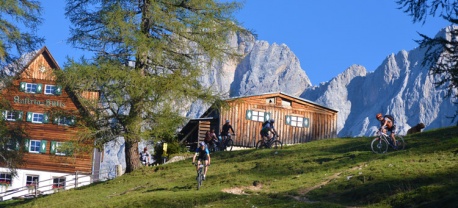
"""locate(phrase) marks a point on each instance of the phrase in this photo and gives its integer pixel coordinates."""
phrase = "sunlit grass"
(326, 173)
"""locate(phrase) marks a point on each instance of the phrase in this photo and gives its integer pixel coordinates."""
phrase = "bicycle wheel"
(400, 142)
(199, 178)
(379, 145)
(229, 144)
(276, 144)
(260, 145)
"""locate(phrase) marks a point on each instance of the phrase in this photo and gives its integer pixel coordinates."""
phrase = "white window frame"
(258, 116)
(10, 115)
(6, 178)
(297, 121)
(63, 121)
(31, 87)
(32, 177)
(60, 183)
(37, 120)
(35, 142)
(57, 149)
(52, 88)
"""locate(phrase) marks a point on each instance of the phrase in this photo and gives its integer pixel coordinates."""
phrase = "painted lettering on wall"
(47, 102)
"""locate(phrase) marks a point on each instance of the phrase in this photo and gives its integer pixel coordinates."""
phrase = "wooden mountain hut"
(297, 120)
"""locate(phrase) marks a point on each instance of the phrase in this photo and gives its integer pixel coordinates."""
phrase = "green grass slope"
(326, 173)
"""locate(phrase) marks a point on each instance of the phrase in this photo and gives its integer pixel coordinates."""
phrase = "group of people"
(202, 152)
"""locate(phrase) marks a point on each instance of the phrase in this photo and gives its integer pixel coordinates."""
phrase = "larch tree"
(441, 51)
(19, 20)
(147, 58)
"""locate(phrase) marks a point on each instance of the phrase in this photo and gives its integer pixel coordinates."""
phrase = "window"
(257, 115)
(270, 101)
(12, 115)
(37, 117)
(53, 90)
(30, 87)
(297, 121)
(35, 146)
(286, 103)
(5, 179)
(59, 148)
(63, 120)
(58, 183)
(11, 144)
(31, 180)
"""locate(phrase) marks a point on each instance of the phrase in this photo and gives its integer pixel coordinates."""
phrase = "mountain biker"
(387, 123)
(202, 154)
(266, 128)
(210, 137)
(225, 130)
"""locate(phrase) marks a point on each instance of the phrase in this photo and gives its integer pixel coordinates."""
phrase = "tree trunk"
(132, 156)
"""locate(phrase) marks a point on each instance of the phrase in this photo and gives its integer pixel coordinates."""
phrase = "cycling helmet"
(227, 121)
(272, 121)
(202, 143)
(378, 115)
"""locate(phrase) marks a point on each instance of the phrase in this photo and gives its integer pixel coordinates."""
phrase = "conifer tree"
(442, 52)
(147, 58)
(19, 20)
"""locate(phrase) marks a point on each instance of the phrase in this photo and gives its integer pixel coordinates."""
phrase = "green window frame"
(297, 121)
(255, 115)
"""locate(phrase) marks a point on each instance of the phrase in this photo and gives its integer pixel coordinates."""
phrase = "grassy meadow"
(341, 172)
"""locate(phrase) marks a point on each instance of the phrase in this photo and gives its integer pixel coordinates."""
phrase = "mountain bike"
(380, 143)
(271, 143)
(226, 143)
(200, 174)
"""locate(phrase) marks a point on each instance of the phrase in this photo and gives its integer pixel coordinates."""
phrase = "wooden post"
(76, 179)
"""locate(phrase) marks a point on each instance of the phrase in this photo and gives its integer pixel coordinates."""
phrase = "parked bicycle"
(226, 143)
(380, 144)
(271, 143)
(200, 174)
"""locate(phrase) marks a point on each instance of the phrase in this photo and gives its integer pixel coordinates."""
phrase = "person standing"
(145, 157)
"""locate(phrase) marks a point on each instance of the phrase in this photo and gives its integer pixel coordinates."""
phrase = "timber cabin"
(297, 120)
(49, 157)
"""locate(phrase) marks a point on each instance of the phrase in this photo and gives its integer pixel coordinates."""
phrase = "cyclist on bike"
(210, 138)
(266, 128)
(202, 154)
(387, 124)
(225, 130)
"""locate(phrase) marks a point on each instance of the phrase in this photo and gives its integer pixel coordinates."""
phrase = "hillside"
(326, 173)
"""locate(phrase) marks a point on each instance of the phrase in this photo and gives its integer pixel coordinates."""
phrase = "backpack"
(389, 125)
(264, 124)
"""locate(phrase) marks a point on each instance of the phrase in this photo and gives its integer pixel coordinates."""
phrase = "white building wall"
(18, 186)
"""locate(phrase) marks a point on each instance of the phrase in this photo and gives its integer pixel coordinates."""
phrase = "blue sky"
(327, 36)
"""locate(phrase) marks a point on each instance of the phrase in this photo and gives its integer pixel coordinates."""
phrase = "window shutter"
(72, 121)
(29, 116)
(43, 146)
(288, 120)
(19, 115)
(53, 147)
(55, 120)
(26, 145)
(4, 115)
(306, 122)
(39, 88)
(58, 90)
(249, 113)
(45, 118)
(267, 116)
(17, 144)
(22, 87)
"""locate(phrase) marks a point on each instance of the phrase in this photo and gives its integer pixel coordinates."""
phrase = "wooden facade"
(49, 133)
(296, 120)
